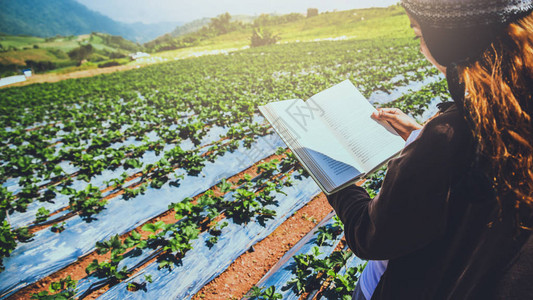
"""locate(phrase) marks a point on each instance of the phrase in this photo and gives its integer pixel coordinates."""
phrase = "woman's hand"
(402, 123)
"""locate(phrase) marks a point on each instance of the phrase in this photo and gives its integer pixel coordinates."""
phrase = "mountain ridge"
(68, 17)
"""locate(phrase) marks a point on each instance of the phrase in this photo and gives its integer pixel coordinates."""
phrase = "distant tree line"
(116, 41)
(219, 25)
(269, 20)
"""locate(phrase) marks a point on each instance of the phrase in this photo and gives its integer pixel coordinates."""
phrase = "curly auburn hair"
(498, 100)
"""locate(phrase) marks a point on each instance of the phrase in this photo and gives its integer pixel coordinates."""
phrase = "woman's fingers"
(402, 123)
(390, 110)
(387, 114)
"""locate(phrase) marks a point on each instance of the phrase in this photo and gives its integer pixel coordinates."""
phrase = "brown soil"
(40, 78)
(250, 267)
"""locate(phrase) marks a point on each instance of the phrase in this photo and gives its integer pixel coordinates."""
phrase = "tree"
(263, 20)
(312, 12)
(40, 66)
(263, 37)
(221, 24)
(81, 53)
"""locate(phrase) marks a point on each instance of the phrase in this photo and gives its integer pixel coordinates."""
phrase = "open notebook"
(333, 135)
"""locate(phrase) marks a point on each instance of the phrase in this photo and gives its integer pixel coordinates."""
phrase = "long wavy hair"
(499, 88)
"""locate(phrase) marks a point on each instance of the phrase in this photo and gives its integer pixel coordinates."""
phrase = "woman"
(454, 213)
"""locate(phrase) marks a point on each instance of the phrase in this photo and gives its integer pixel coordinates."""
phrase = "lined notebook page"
(348, 114)
(314, 141)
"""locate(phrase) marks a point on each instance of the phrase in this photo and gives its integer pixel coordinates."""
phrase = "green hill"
(351, 24)
(68, 17)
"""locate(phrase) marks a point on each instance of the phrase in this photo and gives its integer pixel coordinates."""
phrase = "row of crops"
(85, 163)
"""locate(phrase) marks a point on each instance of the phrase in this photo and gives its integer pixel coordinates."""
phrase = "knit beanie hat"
(460, 30)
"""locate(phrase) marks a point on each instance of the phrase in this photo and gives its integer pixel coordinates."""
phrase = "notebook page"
(348, 114)
(313, 139)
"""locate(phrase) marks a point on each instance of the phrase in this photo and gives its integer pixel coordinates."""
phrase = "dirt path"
(250, 267)
(40, 78)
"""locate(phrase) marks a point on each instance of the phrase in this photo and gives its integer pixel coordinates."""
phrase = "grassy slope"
(361, 24)
(64, 44)
(19, 41)
(19, 57)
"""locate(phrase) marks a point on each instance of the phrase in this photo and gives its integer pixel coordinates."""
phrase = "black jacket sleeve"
(411, 208)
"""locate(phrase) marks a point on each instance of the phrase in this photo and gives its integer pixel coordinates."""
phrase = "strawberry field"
(90, 166)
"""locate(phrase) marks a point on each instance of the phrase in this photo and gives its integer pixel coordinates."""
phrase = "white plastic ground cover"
(381, 97)
(20, 219)
(135, 257)
(202, 265)
(12, 183)
(282, 272)
(49, 252)
(12, 79)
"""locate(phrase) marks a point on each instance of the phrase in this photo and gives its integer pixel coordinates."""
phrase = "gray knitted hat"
(459, 30)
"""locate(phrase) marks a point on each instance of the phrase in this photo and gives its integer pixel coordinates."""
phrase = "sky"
(153, 11)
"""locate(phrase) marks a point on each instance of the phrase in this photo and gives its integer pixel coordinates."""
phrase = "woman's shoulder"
(444, 137)
(449, 123)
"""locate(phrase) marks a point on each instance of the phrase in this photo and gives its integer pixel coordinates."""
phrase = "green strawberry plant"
(63, 289)
(267, 293)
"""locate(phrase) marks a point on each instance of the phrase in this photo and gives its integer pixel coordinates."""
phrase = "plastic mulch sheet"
(201, 264)
(48, 252)
(135, 258)
(19, 219)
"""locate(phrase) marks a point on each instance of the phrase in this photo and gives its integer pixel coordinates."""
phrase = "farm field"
(151, 183)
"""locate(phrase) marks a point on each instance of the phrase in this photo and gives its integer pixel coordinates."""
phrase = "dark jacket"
(436, 219)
